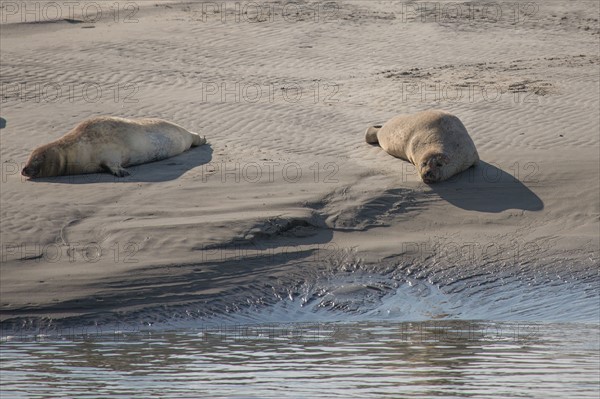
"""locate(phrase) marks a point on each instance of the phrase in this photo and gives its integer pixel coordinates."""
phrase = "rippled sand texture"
(287, 191)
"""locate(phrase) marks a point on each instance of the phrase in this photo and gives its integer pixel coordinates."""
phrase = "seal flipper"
(115, 169)
(198, 140)
(371, 134)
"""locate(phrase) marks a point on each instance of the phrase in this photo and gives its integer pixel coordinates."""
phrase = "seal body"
(435, 141)
(110, 144)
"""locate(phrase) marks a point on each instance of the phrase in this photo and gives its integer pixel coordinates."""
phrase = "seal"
(109, 144)
(435, 141)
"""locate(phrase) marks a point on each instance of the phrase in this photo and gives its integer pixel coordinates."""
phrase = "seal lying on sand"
(110, 144)
(435, 141)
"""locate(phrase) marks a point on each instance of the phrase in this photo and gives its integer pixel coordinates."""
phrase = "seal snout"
(29, 171)
(428, 177)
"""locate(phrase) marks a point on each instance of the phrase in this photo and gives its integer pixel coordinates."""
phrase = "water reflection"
(428, 359)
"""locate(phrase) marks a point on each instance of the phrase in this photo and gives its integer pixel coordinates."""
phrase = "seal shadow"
(487, 188)
(151, 172)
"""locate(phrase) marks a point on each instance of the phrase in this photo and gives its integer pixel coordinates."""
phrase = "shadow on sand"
(160, 171)
(486, 188)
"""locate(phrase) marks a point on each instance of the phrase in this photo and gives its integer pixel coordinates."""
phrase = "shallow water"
(347, 335)
(304, 360)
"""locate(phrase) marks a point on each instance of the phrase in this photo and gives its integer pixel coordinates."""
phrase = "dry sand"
(287, 189)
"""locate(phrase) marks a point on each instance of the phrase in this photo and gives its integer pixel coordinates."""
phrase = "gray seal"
(435, 141)
(109, 144)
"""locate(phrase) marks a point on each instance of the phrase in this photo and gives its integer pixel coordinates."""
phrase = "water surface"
(308, 360)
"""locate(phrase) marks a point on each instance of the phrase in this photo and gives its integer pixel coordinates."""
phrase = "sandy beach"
(287, 191)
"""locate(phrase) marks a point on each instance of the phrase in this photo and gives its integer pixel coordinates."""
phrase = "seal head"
(43, 162)
(432, 165)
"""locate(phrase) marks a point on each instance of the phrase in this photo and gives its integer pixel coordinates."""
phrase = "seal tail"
(198, 140)
(371, 134)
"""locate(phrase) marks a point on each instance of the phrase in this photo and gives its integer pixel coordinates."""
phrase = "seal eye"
(439, 165)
